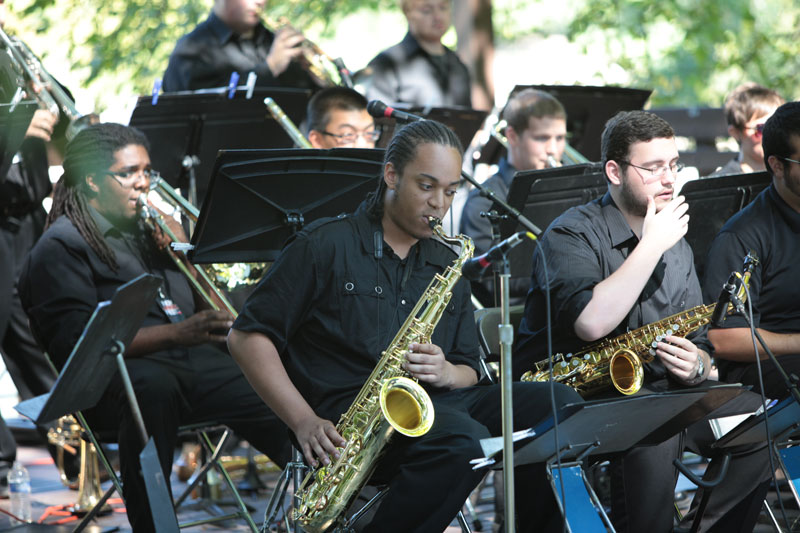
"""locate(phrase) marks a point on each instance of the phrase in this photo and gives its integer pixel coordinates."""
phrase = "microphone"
(721, 310)
(378, 109)
(476, 268)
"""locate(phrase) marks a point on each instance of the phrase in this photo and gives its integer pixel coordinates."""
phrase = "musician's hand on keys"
(679, 356)
(318, 439)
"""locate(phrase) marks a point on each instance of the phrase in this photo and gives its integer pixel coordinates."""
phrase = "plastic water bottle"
(19, 490)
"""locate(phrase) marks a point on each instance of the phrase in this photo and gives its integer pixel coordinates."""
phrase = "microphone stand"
(511, 211)
(789, 382)
(506, 334)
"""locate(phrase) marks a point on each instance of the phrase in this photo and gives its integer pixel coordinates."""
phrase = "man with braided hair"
(96, 242)
(312, 332)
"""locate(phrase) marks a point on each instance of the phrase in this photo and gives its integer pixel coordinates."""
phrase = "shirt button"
(378, 289)
(403, 301)
(349, 286)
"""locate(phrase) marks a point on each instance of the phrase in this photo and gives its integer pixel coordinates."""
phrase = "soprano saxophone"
(389, 401)
(619, 361)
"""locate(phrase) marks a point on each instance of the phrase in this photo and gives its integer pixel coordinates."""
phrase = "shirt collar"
(219, 28)
(411, 46)
(428, 250)
(618, 228)
(791, 216)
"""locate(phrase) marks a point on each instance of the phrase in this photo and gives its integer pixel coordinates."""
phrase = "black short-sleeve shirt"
(769, 227)
(583, 247)
(337, 296)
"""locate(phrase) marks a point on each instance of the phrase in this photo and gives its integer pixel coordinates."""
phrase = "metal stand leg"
(293, 473)
(584, 512)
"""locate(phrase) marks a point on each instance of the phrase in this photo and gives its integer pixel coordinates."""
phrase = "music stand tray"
(603, 427)
(201, 124)
(260, 198)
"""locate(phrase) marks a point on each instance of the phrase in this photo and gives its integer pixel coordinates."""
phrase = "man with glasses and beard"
(770, 227)
(616, 264)
(181, 374)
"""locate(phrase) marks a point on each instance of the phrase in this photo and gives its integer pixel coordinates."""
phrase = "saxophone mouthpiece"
(433, 222)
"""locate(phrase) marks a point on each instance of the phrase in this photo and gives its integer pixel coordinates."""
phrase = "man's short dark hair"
(318, 113)
(778, 131)
(628, 127)
(748, 100)
(531, 103)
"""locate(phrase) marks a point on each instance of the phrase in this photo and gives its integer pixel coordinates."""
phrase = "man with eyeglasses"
(420, 70)
(747, 108)
(181, 374)
(769, 226)
(337, 118)
(614, 265)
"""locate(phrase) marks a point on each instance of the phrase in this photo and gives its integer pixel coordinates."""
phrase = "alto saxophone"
(619, 361)
(389, 401)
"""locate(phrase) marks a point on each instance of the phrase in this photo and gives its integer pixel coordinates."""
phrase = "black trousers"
(643, 483)
(430, 477)
(25, 361)
(206, 387)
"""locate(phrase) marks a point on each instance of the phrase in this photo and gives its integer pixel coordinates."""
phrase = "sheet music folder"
(782, 416)
(257, 199)
(85, 376)
(618, 424)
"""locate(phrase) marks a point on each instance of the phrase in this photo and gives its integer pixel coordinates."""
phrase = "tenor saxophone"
(389, 401)
(619, 361)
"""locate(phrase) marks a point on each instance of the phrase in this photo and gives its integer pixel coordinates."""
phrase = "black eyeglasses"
(352, 137)
(658, 172)
(126, 179)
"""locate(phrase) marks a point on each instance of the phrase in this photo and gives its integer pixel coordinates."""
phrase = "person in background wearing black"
(95, 242)
(747, 108)
(614, 265)
(420, 70)
(233, 39)
(337, 118)
(312, 332)
(536, 133)
(770, 227)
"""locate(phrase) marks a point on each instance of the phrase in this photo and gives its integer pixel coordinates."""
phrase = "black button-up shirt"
(63, 280)
(337, 296)
(771, 228)
(208, 55)
(583, 247)
(406, 73)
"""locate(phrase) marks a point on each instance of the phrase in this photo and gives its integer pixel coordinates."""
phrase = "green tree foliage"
(118, 43)
(692, 52)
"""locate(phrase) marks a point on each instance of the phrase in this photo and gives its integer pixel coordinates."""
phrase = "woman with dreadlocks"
(96, 242)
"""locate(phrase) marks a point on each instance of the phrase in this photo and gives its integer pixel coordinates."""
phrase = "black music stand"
(604, 427)
(588, 108)
(259, 198)
(83, 380)
(186, 130)
(543, 195)
(463, 121)
(712, 201)
(13, 125)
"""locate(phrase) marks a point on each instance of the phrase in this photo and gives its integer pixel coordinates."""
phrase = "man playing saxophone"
(616, 264)
(310, 335)
(95, 242)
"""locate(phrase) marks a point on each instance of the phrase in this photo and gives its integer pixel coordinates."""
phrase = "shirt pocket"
(361, 303)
